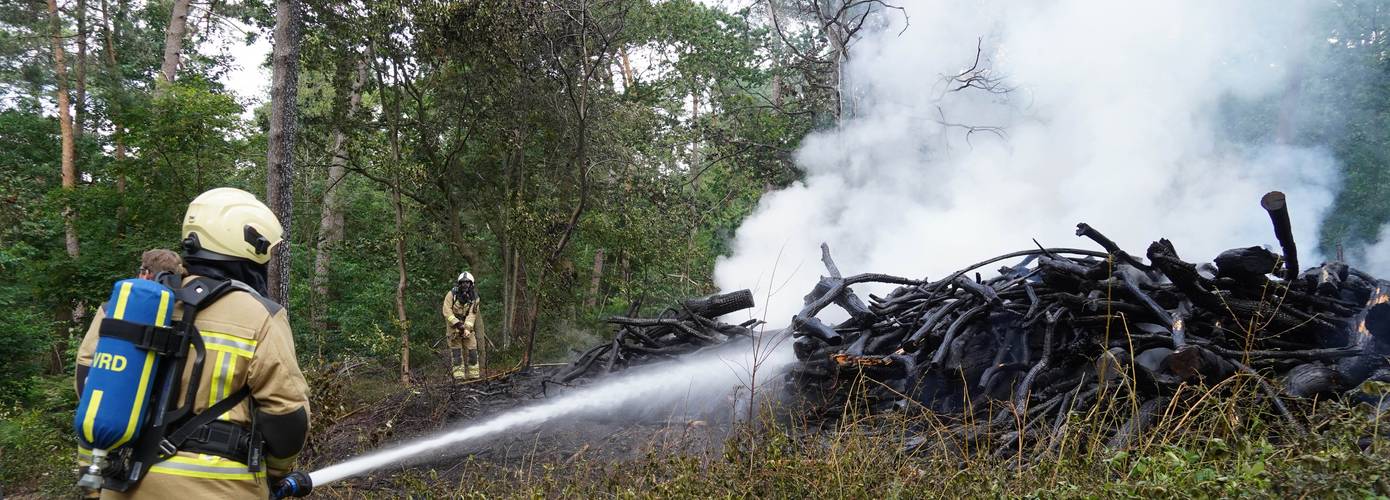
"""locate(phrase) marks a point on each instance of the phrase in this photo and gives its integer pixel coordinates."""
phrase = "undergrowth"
(37, 449)
(1217, 443)
(1220, 442)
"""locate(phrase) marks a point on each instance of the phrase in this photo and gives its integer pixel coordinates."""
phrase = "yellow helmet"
(227, 224)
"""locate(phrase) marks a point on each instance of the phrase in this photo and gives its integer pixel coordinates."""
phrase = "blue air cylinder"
(116, 396)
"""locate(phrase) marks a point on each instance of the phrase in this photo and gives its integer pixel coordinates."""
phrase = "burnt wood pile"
(1058, 329)
(1055, 332)
(677, 331)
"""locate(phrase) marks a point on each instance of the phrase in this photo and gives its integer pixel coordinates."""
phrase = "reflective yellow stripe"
(163, 306)
(91, 415)
(228, 349)
(215, 386)
(223, 375)
(250, 343)
(227, 383)
(139, 405)
(83, 451)
(207, 467)
(121, 299)
(243, 347)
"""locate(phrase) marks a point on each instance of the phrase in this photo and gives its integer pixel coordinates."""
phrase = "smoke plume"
(1376, 256)
(1113, 115)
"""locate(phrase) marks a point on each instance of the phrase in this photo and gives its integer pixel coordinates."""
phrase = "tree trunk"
(331, 222)
(508, 296)
(470, 256)
(80, 103)
(69, 151)
(280, 141)
(393, 114)
(69, 168)
(173, 42)
(628, 79)
(402, 322)
(595, 280)
(113, 70)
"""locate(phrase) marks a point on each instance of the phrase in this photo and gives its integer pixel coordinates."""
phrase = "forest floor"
(1220, 450)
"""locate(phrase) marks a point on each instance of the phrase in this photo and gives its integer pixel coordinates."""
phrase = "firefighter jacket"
(456, 311)
(248, 343)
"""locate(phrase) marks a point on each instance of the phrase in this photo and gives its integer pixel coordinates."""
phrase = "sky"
(250, 78)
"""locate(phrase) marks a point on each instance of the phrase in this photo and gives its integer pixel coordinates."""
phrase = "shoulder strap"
(175, 439)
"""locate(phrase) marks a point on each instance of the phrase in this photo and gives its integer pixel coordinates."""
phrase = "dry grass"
(1208, 442)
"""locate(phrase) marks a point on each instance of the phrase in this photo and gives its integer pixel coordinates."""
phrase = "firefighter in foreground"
(461, 323)
(250, 413)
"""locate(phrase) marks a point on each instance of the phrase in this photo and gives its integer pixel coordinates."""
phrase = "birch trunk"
(173, 42)
(331, 221)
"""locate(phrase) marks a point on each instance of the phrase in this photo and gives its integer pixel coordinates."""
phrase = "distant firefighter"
(462, 317)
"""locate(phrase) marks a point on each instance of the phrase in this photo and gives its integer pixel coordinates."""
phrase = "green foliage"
(37, 450)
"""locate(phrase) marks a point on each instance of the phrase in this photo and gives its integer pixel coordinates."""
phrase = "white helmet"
(465, 276)
(228, 224)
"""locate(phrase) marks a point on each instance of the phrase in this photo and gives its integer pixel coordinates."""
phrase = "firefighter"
(461, 323)
(156, 261)
(152, 263)
(228, 236)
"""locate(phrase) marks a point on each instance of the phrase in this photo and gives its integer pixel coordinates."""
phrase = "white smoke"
(1113, 119)
(1375, 257)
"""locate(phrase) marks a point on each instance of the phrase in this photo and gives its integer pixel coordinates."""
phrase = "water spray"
(703, 376)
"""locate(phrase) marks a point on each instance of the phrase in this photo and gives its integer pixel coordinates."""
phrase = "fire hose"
(296, 484)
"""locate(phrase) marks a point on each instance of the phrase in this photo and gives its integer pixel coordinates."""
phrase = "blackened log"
(676, 325)
(1277, 206)
(886, 343)
(1376, 327)
(719, 304)
(1178, 324)
(1144, 298)
(1199, 365)
(1273, 396)
(1327, 279)
(1137, 422)
(830, 296)
(915, 340)
(983, 291)
(1246, 264)
(1063, 274)
(1026, 385)
(1311, 380)
(1084, 229)
(804, 345)
(1152, 368)
(940, 355)
(813, 327)
(1306, 355)
(1183, 274)
(936, 285)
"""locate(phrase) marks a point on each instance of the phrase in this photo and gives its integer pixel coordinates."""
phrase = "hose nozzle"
(296, 484)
